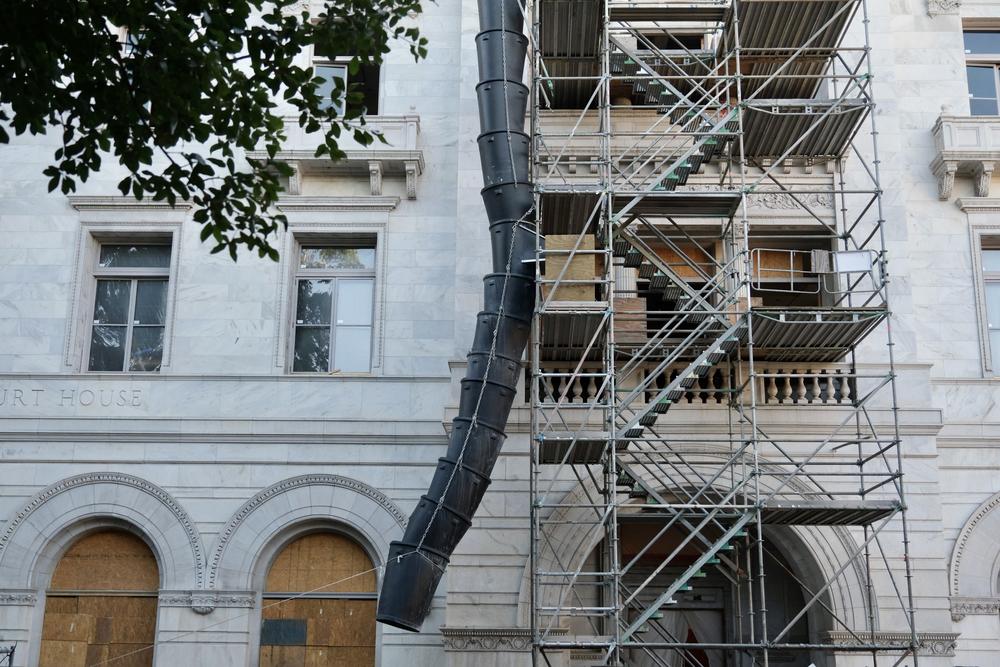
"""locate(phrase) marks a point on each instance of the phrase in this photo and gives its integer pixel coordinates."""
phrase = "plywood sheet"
(314, 561)
(578, 267)
(107, 560)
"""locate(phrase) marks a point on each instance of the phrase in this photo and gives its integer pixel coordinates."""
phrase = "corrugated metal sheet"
(570, 27)
(565, 336)
(827, 512)
(664, 10)
(571, 93)
(771, 127)
(810, 334)
(684, 204)
(789, 24)
(566, 213)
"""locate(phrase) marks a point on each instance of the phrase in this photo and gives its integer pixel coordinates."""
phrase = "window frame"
(344, 240)
(991, 60)
(983, 235)
(316, 60)
(134, 275)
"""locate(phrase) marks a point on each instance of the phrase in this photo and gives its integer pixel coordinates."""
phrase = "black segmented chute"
(443, 515)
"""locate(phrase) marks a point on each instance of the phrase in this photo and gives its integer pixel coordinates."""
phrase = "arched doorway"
(101, 603)
(717, 607)
(307, 621)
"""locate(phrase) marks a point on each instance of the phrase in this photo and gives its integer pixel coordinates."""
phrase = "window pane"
(134, 255)
(993, 304)
(150, 302)
(315, 302)
(147, 349)
(982, 42)
(330, 74)
(353, 349)
(354, 301)
(111, 301)
(107, 349)
(995, 349)
(337, 258)
(991, 260)
(312, 350)
(982, 82)
(979, 107)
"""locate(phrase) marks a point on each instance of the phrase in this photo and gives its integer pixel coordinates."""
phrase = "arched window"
(307, 621)
(101, 603)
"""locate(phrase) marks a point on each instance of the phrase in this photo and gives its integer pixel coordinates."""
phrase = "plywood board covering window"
(308, 622)
(101, 603)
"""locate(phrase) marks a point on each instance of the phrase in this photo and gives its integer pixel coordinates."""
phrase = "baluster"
(786, 387)
(771, 384)
(575, 391)
(847, 389)
(826, 391)
(815, 389)
(713, 385)
(800, 388)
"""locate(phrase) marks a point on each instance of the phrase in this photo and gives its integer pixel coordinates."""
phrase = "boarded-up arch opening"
(101, 603)
(310, 620)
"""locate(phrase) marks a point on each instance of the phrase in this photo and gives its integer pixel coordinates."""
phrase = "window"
(308, 621)
(333, 68)
(991, 290)
(334, 303)
(982, 60)
(130, 306)
(101, 603)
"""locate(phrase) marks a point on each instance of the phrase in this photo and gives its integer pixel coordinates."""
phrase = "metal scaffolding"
(712, 388)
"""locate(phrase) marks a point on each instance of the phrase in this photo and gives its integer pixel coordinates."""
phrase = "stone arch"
(975, 559)
(283, 511)
(815, 553)
(43, 529)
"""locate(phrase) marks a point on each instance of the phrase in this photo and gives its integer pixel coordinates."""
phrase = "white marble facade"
(224, 454)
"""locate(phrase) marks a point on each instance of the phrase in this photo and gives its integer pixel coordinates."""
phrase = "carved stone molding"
(204, 602)
(375, 177)
(18, 598)
(965, 606)
(929, 644)
(943, 7)
(945, 175)
(307, 204)
(163, 498)
(972, 579)
(782, 201)
(412, 169)
(287, 485)
(113, 203)
(491, 640)
(983, 176)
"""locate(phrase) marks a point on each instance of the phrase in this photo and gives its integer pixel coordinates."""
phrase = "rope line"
(190, 633)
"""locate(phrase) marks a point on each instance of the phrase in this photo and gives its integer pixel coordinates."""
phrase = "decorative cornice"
(490, 639)
(112, 203)
(382, 203)
(958, 552)
(62, 486)
(285, 486)
(929, 644)
(204, 602)
(18, 598)
(979, 204)
(966, 606)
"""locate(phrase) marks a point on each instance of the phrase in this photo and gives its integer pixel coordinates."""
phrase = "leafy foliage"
(195, 84)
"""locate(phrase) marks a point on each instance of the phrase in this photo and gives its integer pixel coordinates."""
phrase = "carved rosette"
(18, 598)
(929, 644)
(968, 606)
(205, 602)
(492, 640)
(943, 7)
